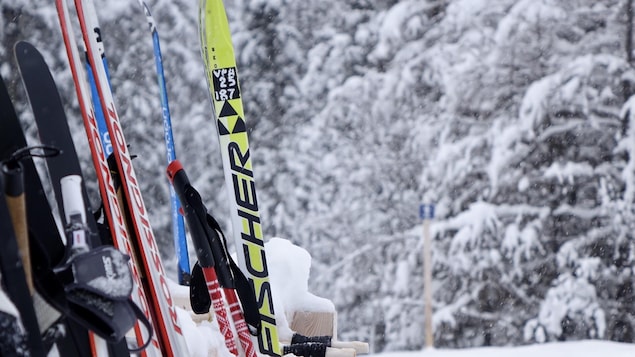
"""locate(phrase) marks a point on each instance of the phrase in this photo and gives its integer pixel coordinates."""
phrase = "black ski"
(14, 280)
(50, 118)
(43, 235)
(17, 342)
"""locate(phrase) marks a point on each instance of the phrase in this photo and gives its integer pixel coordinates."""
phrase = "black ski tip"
(23, 48)
(26, 55)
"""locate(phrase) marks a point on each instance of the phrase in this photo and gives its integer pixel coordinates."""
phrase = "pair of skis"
(224, 88)
(225, 92)
(15, 268)
(42, 233)
(115, 213)
(94, 49)
(89, 283)
(227, 104)
(125, 210)
(92, 263)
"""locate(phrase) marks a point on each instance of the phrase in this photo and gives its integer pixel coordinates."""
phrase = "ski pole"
(15, 282)
(19, 276)
(193, 209)
(178, 226)
(13, 174)
(14, 195)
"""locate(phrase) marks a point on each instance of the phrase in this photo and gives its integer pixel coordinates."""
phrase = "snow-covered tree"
(508, 114)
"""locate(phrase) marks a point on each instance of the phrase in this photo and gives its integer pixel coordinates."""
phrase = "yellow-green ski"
(222, 78)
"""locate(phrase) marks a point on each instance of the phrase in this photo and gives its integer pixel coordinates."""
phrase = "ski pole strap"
(298, 338)
(93, 289)
(148, 325)
(211, 246)
(109, 319)
(244, 289)
(102, 271)
(30, 151)
(199, 295)
(308, 349)
(201, 301)
(218, 246)
(247, 298)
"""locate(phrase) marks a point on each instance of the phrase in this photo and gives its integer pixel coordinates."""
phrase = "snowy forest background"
(512, 116)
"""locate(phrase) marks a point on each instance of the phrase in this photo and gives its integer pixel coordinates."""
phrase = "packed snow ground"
(561, 349)
(289, 266)
(289, 273)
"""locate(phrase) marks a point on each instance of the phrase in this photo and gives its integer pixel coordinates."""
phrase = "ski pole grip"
(189, 197)
(210, 251)
(176, 174)
(13, 178)
(14, 192)
(72, 197)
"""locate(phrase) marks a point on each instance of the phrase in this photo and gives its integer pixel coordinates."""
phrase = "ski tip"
(22, 45)
(174, 167)
(23, 48)
(145, 6)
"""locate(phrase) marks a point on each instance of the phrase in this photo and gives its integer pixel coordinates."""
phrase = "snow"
(523, 15)
(203, 337)
(6, 305)
(571, 297)
(577, 349)
(507, 114)
(289, 266)
(569, 171)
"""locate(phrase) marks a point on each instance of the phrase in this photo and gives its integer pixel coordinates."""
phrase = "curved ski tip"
(23, 47)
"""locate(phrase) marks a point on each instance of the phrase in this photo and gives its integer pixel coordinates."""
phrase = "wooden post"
(426, 212)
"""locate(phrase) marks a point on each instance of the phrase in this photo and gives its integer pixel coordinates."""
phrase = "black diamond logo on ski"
(227, 110)
(224, 124)
(222, 129)
(226, 116)
(240, 126)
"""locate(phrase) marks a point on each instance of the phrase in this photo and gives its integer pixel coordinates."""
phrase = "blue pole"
(178, 226)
